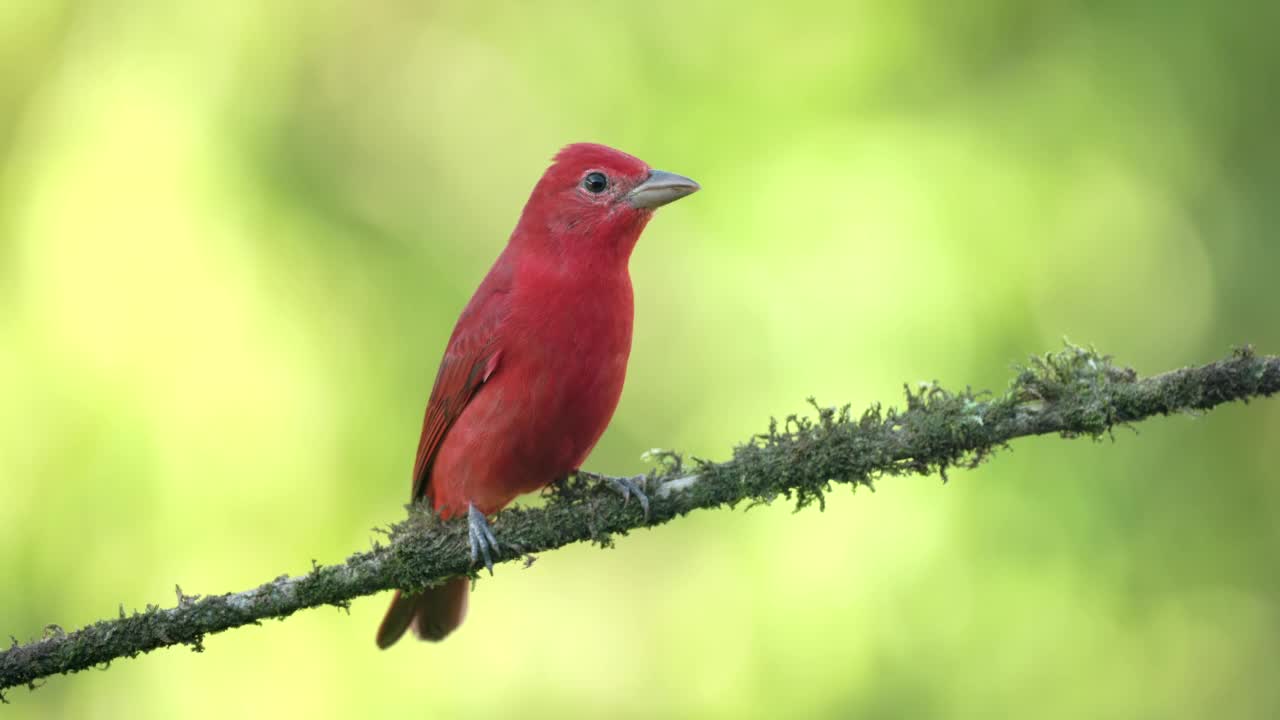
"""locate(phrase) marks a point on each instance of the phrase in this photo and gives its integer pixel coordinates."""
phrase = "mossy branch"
(1076, 392)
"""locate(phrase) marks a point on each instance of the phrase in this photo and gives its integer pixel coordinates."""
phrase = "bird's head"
(596, 195)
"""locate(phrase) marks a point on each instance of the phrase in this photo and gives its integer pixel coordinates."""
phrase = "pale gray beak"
(661, 188)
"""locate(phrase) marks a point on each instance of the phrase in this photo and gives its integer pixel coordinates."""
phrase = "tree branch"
(1075, 392)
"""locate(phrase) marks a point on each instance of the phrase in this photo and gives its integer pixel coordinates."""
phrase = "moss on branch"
(1075, 392)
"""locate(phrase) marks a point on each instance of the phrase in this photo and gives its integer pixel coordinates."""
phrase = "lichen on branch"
(1075, 392)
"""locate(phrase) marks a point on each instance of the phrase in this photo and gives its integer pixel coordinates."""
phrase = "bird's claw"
(624, 486)
(480, 535)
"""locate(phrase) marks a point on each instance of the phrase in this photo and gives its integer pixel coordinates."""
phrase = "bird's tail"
(433, 613)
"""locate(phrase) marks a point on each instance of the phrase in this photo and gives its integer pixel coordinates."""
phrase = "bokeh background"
(234, 237)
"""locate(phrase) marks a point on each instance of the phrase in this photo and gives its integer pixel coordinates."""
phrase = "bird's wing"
(470, 359)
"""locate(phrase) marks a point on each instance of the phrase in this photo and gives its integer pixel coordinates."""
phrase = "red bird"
(535, 365)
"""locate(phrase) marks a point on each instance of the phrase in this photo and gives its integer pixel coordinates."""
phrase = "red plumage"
(536, 363)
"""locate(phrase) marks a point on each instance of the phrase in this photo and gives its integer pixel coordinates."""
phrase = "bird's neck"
(574, 273)
(602, 242)
(594, 290)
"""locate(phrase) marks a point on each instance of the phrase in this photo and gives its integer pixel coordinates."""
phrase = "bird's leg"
(483, 543)
(626, 487)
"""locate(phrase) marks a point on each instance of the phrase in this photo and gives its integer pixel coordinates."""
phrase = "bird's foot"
(624, 486)
(480, 535)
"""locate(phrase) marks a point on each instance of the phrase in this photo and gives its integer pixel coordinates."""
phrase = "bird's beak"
(661, 188)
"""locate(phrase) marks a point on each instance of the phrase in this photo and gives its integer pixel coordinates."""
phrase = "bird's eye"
(595, 182)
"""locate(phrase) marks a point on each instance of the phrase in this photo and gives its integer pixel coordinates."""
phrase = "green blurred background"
(234, 237)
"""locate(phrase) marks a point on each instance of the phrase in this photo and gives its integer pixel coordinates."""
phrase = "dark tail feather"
(441, 609)
(399, 615)
(433, 613)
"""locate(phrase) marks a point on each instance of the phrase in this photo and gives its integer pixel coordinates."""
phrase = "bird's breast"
(578, 341)
(564, 360)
